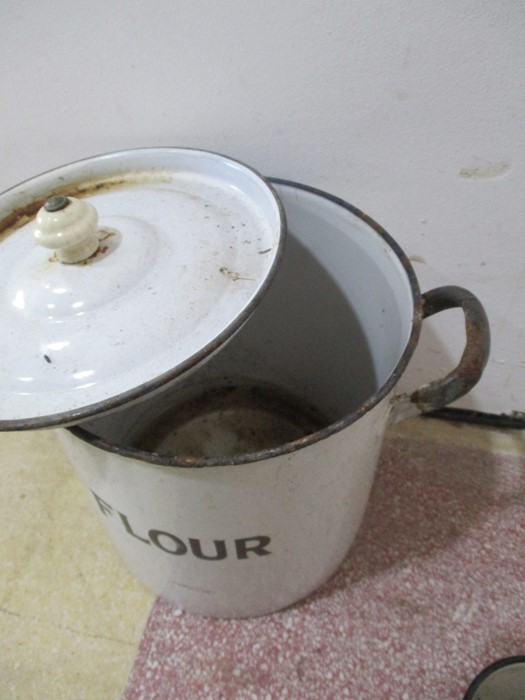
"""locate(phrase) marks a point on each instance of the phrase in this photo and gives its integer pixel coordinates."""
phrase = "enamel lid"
(119, 273)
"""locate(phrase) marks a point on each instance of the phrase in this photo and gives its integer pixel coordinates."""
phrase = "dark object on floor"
(515, 420)
(502, 680)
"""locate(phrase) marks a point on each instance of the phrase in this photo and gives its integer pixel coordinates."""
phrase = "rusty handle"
(466, 375)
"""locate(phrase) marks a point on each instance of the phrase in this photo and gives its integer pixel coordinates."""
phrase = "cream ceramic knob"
(69, 226)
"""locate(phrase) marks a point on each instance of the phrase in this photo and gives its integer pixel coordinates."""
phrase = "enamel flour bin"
(222, 378)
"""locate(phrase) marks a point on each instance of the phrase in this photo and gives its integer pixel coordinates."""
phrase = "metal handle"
(466, 375)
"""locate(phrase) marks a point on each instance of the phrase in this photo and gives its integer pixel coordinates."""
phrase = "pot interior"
(326, 338)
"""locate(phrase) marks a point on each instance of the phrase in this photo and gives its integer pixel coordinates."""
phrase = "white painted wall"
(413, 111)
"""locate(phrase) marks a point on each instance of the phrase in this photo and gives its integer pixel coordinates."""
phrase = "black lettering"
(180, 547)
(126, 524)
(220, 550)
(104, 507)
(241, 545)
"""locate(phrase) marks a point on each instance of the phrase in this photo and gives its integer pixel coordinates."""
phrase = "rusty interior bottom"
(230, 420)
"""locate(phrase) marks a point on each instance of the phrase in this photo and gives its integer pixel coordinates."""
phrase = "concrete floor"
(71, 617)
(432, 590)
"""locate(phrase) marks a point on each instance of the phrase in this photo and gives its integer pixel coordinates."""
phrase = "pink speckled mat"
(432, 591)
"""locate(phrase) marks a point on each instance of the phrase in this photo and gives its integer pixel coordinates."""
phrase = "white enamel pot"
(240, 489)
